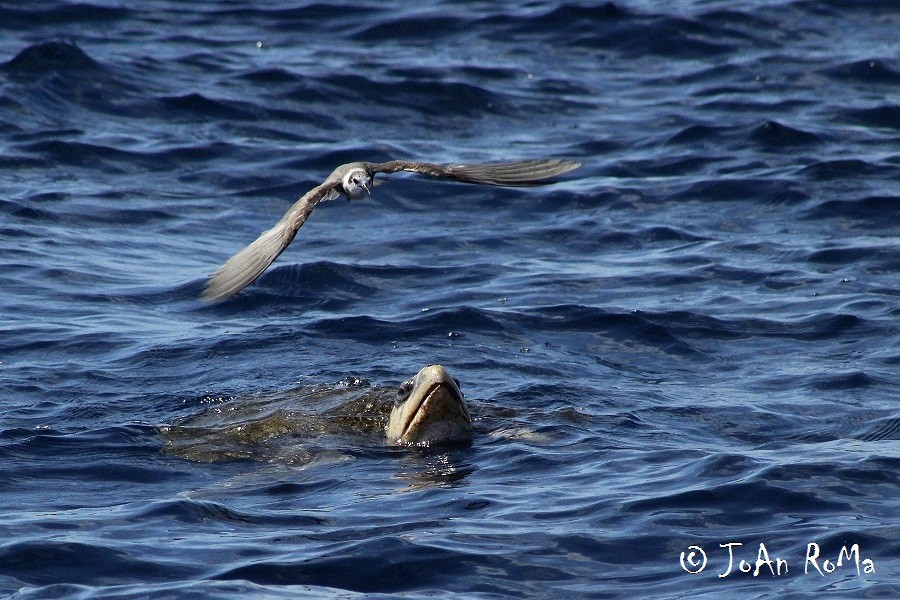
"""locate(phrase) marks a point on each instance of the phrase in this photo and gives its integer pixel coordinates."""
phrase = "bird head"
(356, 183)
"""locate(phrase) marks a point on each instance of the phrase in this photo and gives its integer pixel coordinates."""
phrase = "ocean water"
(692, 341)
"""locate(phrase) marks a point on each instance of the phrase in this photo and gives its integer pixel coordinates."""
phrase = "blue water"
(693, 340)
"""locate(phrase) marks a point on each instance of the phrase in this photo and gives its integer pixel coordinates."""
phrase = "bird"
(355, 181)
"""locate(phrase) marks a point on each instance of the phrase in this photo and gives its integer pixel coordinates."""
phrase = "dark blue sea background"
(693, 340)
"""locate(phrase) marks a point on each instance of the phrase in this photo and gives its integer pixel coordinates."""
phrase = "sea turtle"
(429, 410)
(426, 410)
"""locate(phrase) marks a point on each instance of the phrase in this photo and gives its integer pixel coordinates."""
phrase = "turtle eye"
(404, 390)
(458, 386)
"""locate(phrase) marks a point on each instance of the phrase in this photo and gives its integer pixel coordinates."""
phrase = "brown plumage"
(354, 180)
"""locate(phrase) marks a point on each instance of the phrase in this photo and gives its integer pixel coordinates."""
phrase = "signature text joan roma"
(694, 561)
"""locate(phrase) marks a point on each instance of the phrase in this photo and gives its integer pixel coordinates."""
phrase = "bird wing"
(516, 173)
(245, 266)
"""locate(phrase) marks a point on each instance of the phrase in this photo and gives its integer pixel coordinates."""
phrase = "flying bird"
(355, 181)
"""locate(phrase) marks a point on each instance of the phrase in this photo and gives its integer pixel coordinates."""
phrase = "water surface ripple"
(691, 341)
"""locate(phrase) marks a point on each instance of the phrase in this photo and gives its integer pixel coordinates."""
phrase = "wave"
(882, 429)
(876, 209)
(47, 562)
(50, 57)
(774, 135)
(886, 116)
(866, 71)
(199, 511)
(741, 504)
(613, 28)
(83, 13)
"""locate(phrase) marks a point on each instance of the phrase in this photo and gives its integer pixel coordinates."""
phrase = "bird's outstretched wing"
(249, 263)
(516, 173)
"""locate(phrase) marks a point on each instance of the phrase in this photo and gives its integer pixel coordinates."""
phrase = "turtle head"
(356, 182)
(429, 410)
